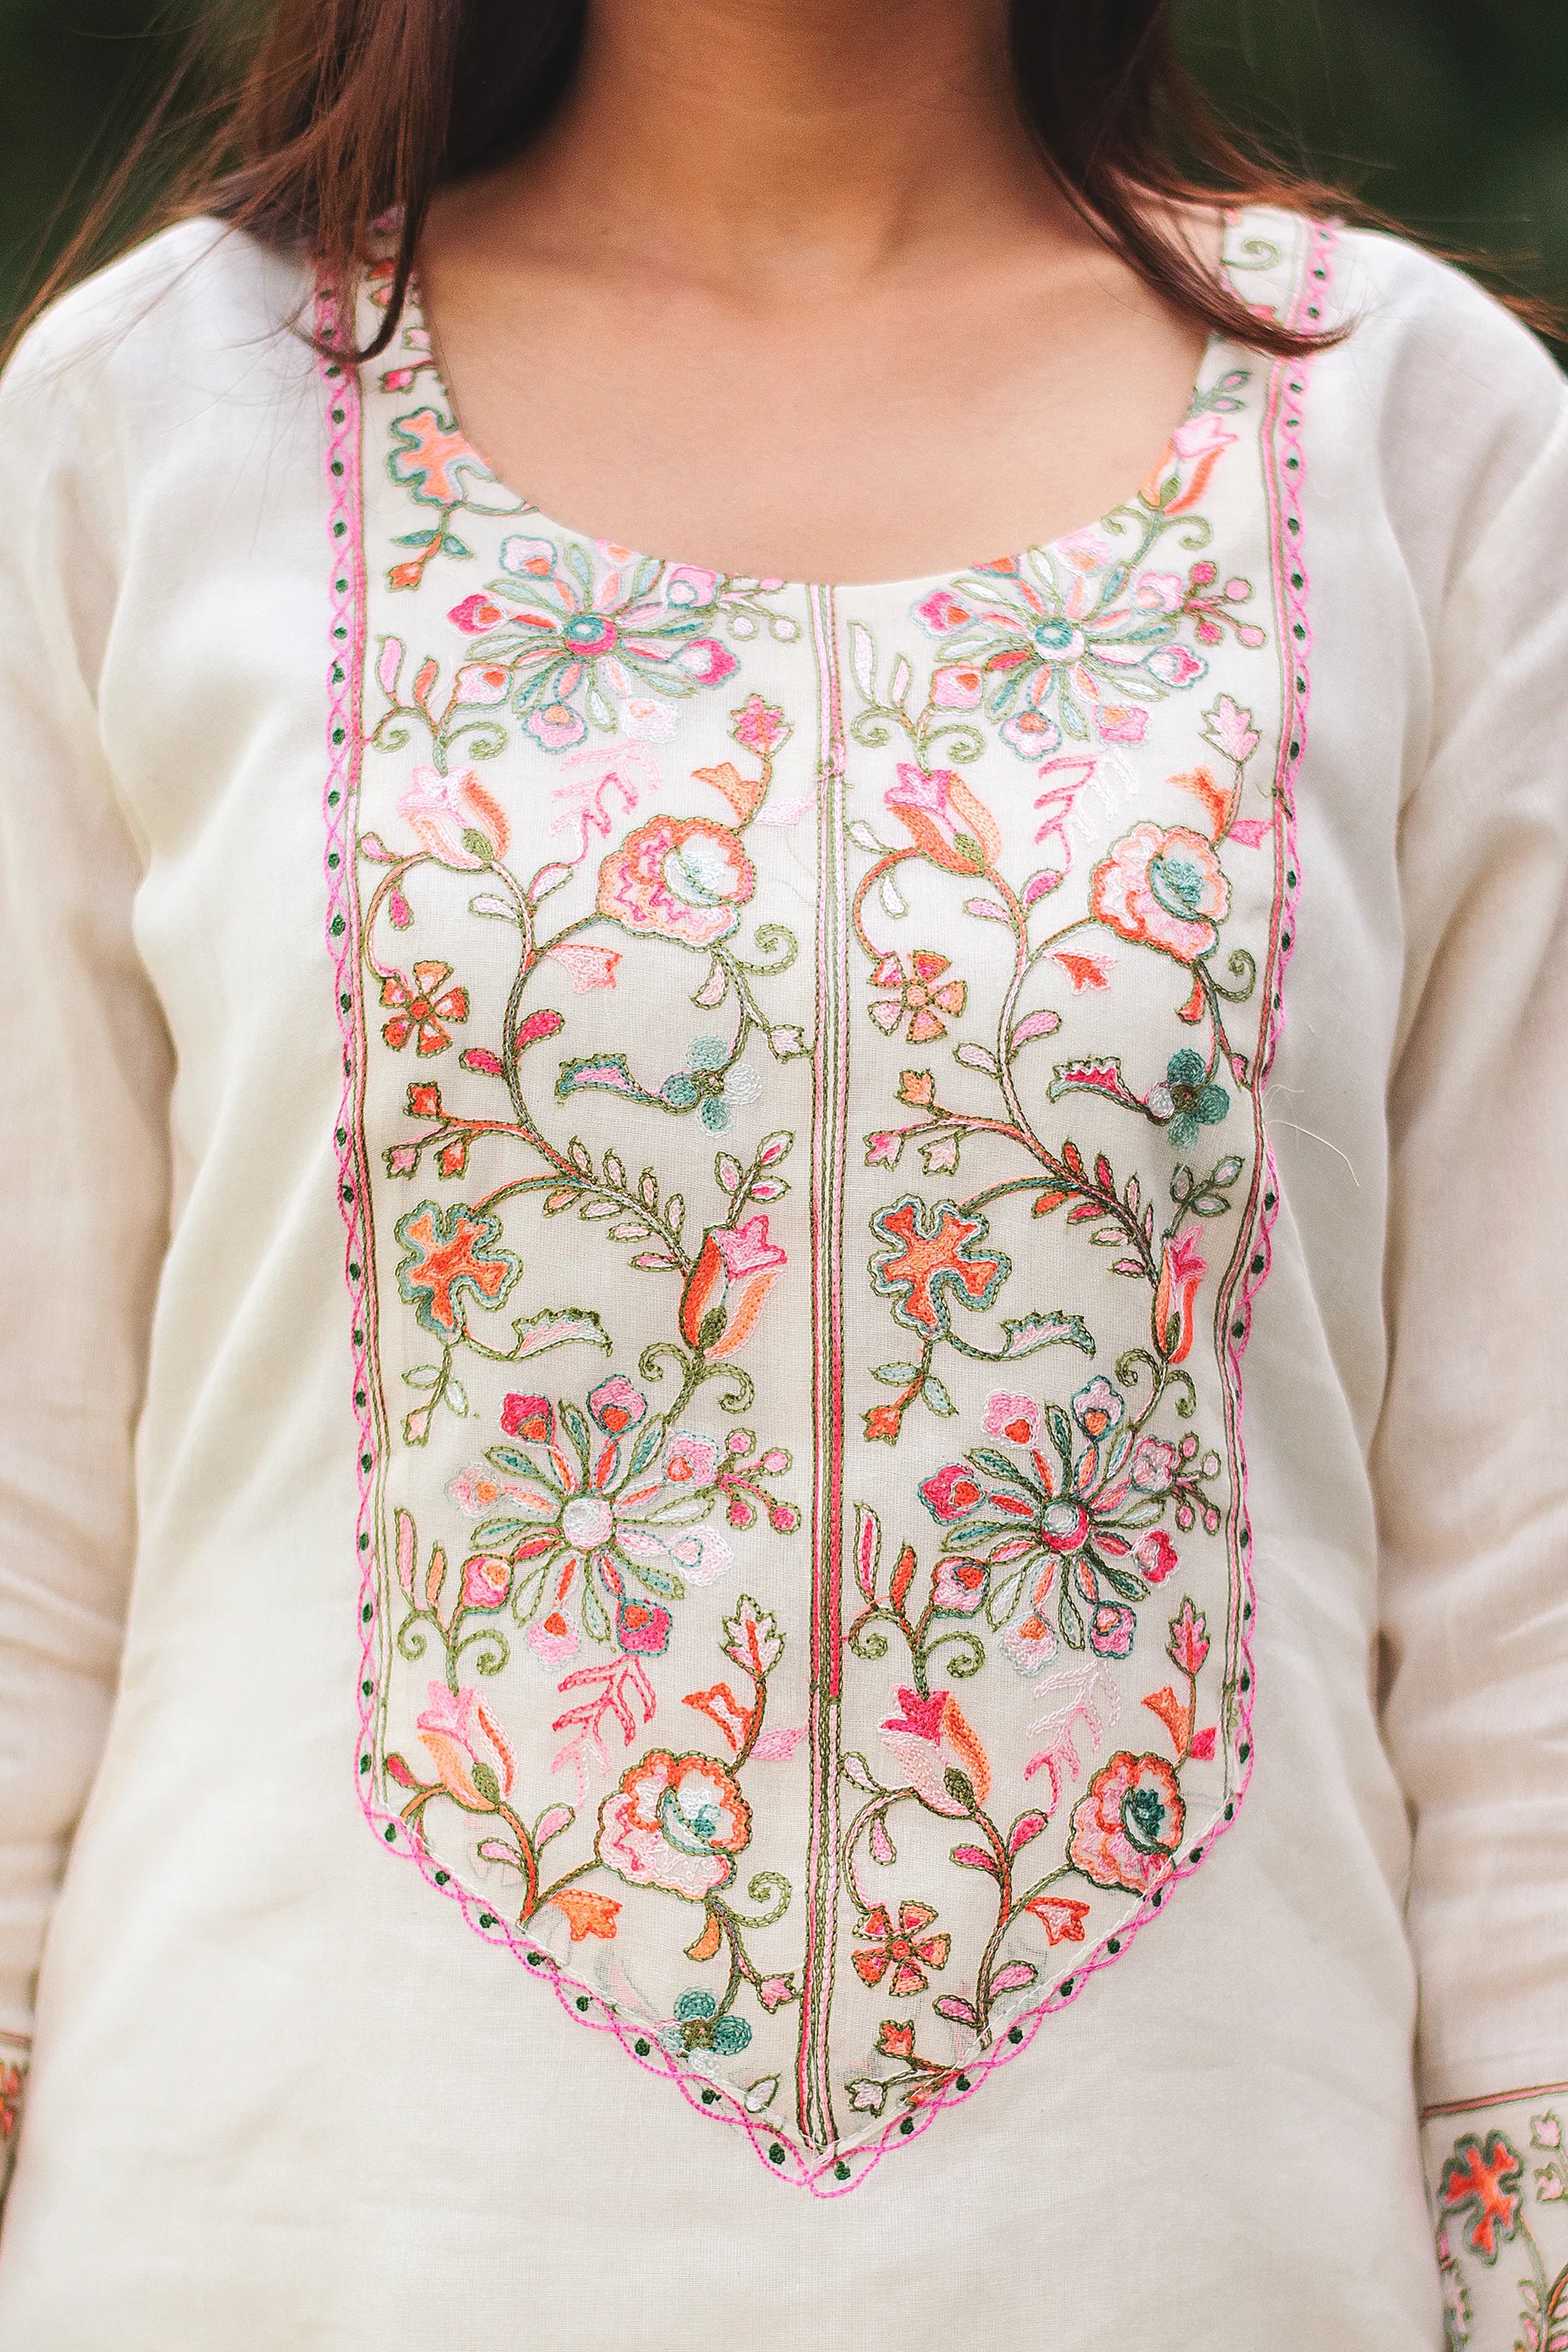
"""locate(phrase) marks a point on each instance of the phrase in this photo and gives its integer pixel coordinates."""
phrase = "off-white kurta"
(827, 1317)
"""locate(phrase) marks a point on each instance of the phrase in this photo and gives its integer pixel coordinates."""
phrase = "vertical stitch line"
(829, 1125)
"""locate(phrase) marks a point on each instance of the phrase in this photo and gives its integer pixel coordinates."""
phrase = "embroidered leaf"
(752, 1637)
(918, 1088)
(859, 1773)
(953, 2005)
(714, 989)
(609, 1072)
(902, 1577)
(880, 1841)
(862, 835)
(899, 684)
(896, 1376)
(936, 1395)
(863, 659)
(1231, 731)
(552, 1822)
(1014, 1977)
(868, 1545)
(1061, 1917)
(457, 1396)
(557, 1327)
(892, 898)
(1027, 1332)
(976, 1057)
(1043, 1023)
(728, 1172)
(986, 909)
(974, 1857)
(1024, 1830)
(723, 1709)
(422, 1376)
(778, 1747)
(407, 1550)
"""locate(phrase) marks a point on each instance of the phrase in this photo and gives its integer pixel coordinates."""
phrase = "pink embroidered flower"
(1153, 1465)
(468, 1748)
(1110, 1631)
(616, 1406)
(587, 968)
(707, 661)
(691, 1459)
(930, 1738)
(676, 1823)
(451, 1254)
(1189, 1643)
(906, 1949)
(1031, 734)
(1165, 888)
(1015, 1418)
(734, 1271)
(482, 682)
(1156, 1555)
(531, 1417)
(1174, 665)
(680, 878)
(952, 1493)
(944, 818)
(487, 1580)
(1031, 1644)
(957, 686)
(1181, 1269)
(1098, 1408)
(686, 587)
(555, 725)
(958, 1585)
(760, 727)
(1159, 592)
(922, 997)
(1125, 722)
(1127, 1828)
(553, 1641)
(456, 819)
(944, 610)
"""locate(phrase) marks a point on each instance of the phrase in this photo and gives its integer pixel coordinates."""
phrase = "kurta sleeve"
(1471, 1455)
(85, 1072)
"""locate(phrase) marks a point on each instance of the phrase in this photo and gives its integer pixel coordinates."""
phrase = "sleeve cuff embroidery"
(1498, 2170)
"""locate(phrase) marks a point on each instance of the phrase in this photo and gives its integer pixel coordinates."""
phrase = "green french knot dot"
(1114, 1945)
(581, 2003)
(1014, 2033)
(643, 2048)
(390, 1834)
(1066, 1985)
(365, 1614)
(443, 1877)
(908, 2125)
(777, 2154)
(841, 2171)
(709, 2097)
(364, 1763)
(366, 1690)
(486, 1919)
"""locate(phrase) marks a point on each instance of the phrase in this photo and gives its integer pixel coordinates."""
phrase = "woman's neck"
(784, 143)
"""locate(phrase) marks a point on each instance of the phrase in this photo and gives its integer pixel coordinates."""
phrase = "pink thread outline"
(1284, 462)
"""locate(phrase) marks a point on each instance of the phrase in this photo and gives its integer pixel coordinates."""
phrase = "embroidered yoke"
(804, 1350)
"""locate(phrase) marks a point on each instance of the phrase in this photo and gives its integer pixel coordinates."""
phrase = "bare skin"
(786, 291)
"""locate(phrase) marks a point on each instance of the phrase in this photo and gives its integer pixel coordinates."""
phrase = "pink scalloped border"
(834, 2175)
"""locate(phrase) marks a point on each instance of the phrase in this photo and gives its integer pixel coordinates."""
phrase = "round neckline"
(905, 590)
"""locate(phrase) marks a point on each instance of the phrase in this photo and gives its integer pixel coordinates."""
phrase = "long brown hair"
(354, 113)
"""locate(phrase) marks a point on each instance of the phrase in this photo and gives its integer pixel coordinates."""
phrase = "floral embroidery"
(633, 844)
(1502, 2226)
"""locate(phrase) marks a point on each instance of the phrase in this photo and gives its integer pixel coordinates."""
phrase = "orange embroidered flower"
(468, 1748)
(456, 819)
(945, 820)
(1165, 888)
(933, 1250)
(587, 1915)
(421, 1006)
(677, 1822)
(1481, 2179)
(905, 1948)
(432, 459)
(917, 996)
(682, 878)
(735, 1269)
(1127, 1828)
(451, 1252)
(930, 1738)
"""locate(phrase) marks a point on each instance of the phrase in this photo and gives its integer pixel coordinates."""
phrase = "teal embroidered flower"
(696, 2027)
(710, 1084)
(1194, 1100)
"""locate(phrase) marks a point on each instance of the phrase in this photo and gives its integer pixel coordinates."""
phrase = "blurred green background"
(1450, 114)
